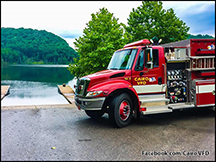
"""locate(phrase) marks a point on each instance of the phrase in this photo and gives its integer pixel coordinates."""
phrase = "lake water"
(35, 84)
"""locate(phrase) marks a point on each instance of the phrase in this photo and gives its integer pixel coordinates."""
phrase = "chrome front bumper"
(89, 103)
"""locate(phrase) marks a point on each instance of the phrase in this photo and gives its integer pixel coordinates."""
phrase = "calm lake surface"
(35, 84)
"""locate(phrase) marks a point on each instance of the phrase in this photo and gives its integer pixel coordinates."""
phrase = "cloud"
(201, 22)
(70, 41)
(184, 8)
(199, 16)
(70, 34)
(68, 18)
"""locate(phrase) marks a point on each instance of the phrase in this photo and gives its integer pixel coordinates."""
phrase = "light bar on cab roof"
(142, 42)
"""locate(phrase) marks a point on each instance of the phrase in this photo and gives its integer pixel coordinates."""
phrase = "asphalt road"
(45, 133)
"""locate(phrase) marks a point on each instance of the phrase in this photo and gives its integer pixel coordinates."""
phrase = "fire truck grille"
(82, 85)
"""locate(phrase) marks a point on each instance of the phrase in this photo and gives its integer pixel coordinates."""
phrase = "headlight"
(94, 93)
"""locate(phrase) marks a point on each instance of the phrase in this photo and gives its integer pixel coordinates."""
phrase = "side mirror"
(149, 65)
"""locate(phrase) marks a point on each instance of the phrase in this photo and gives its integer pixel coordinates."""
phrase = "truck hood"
(104, 75)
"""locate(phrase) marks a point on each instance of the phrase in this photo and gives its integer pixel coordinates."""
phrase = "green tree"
(102, 36)
(9, 55)
(150, 19)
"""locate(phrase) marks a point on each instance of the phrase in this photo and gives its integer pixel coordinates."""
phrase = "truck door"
(145, 80)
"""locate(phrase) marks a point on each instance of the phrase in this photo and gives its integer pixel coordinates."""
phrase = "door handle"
(159, 80)
(141, 73)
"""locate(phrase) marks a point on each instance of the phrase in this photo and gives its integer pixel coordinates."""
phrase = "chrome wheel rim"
(124, 110)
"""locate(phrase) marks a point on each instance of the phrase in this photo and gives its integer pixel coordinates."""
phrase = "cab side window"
(155, 58)
(140, 61)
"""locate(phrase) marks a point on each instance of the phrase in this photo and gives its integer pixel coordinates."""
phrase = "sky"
(67, 19)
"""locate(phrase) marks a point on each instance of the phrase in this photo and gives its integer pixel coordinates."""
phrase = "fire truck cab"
(143, 79)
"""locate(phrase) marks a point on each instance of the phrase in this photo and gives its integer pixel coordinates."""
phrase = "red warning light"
(138, 43)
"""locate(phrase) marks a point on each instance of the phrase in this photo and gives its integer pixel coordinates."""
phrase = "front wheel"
(120, 110)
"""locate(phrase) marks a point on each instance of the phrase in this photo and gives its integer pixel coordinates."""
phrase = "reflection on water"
(40, 65)
(34, 85)
(39, 73)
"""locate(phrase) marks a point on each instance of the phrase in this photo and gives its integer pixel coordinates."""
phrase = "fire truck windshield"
(122, 60)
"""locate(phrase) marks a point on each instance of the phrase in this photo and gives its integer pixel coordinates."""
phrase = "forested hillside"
(200, 36)
(28, 46)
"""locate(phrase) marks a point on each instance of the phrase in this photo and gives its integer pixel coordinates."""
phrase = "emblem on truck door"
(152, 79)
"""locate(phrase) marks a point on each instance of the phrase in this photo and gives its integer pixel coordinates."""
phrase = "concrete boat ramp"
(67, 92)
(4, 91)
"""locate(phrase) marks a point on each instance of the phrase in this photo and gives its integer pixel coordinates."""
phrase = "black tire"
(137, 119)
(121, 110)
(95, 114)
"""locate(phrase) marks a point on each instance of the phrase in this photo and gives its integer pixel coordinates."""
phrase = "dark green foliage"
(200, 36)
(34, 47)
(150, 19)
(102, 36)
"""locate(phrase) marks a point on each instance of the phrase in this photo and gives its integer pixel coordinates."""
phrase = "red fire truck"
(142, 79)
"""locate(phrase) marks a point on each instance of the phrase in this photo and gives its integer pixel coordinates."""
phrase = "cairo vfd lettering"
(141, 80)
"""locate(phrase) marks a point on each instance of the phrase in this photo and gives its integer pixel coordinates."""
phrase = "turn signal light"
(143, 108)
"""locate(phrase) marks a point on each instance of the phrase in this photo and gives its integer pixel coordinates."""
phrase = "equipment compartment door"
(205, 92)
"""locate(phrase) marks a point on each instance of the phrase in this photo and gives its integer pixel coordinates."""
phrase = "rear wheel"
(120, 111)
(95, 114)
